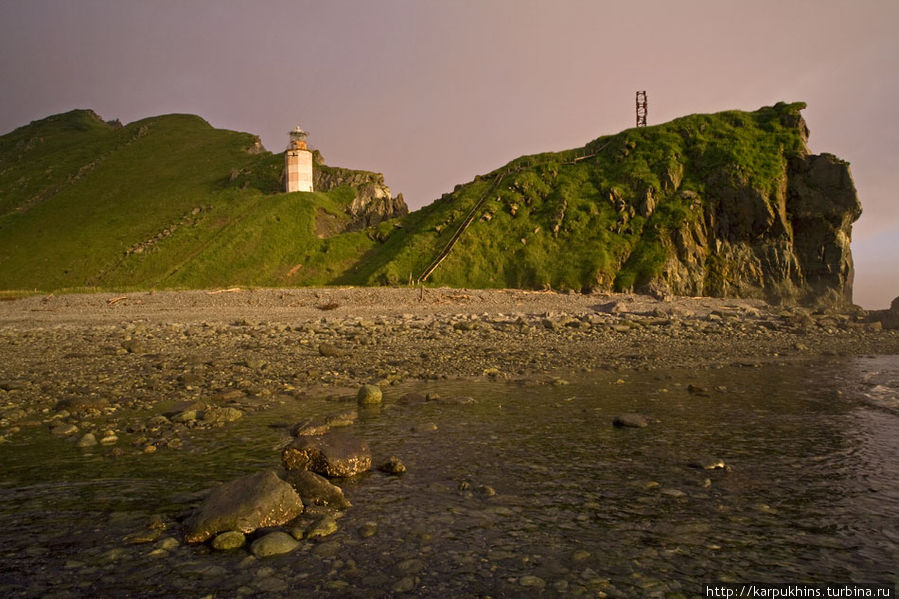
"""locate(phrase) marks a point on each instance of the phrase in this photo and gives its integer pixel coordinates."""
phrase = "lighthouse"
(298, 161)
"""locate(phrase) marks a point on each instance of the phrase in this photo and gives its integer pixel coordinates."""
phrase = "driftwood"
(114, 300)
(231, 290)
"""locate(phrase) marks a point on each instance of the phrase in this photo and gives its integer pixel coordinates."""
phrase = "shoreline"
(84, 360)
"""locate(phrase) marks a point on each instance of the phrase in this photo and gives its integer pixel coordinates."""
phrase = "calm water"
(581, 508)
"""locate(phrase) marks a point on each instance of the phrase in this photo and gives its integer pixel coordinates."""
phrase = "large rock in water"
(245, 504)
(333, 455)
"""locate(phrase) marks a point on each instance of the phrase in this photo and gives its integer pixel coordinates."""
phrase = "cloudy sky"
(433, 92)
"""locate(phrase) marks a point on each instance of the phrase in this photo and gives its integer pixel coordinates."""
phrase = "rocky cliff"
(372, 202)
(726, 204)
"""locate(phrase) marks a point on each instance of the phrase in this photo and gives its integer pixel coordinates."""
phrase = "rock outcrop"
(726, 204)
(789, 243)
(372, 202)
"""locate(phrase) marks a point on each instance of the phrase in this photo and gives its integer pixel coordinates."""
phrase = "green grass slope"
(600, 216)
(171, 202)
(166, 202)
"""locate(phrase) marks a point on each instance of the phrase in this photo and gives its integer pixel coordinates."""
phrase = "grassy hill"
(165, 202)
(721, 204)
(596, 216)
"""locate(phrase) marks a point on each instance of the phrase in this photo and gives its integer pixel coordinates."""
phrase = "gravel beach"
(76, 355)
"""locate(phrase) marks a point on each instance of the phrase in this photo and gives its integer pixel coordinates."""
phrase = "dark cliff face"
(372, 202)
(788, 244)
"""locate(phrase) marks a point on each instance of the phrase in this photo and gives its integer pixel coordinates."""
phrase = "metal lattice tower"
(641, 108)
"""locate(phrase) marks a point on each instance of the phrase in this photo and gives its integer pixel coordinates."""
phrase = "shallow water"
(581, 508)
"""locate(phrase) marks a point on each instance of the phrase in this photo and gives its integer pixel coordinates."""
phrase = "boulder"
(313, 488)
(333, 455)
(244, 504)
(369, 395)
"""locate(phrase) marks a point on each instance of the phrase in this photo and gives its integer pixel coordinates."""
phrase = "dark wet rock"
(393, 466)
(244, 504)
(697, 390)
(274, 543)
(630, 420)
(316, 489)
(333, 455)
(231, 539)
(369, 395)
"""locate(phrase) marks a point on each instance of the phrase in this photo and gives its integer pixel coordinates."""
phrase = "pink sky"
(432, 92)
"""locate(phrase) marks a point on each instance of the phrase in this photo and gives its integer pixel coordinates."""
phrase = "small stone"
(109, 439)
(231, 539)
(630, 420)
(534, 582)
(185, 416)
(369, 395)
(393, 466)
(580, 555)
(485, 490)
(322, 527)
(143, 536)
(404, 585)
(369, 529)
(167, 543)
(222, 415)
(88, 440)
(64, 430)
(314, 488)
(329, 350)
(676, 493)
(274, 543)
(708, 463)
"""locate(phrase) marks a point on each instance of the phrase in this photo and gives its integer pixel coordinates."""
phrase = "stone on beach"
(369, 395)
(274, 543)
(244, 504)
(333, 455)
(630, 420)
(316, 489)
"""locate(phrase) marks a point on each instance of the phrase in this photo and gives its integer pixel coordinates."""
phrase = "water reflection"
(580, 507)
